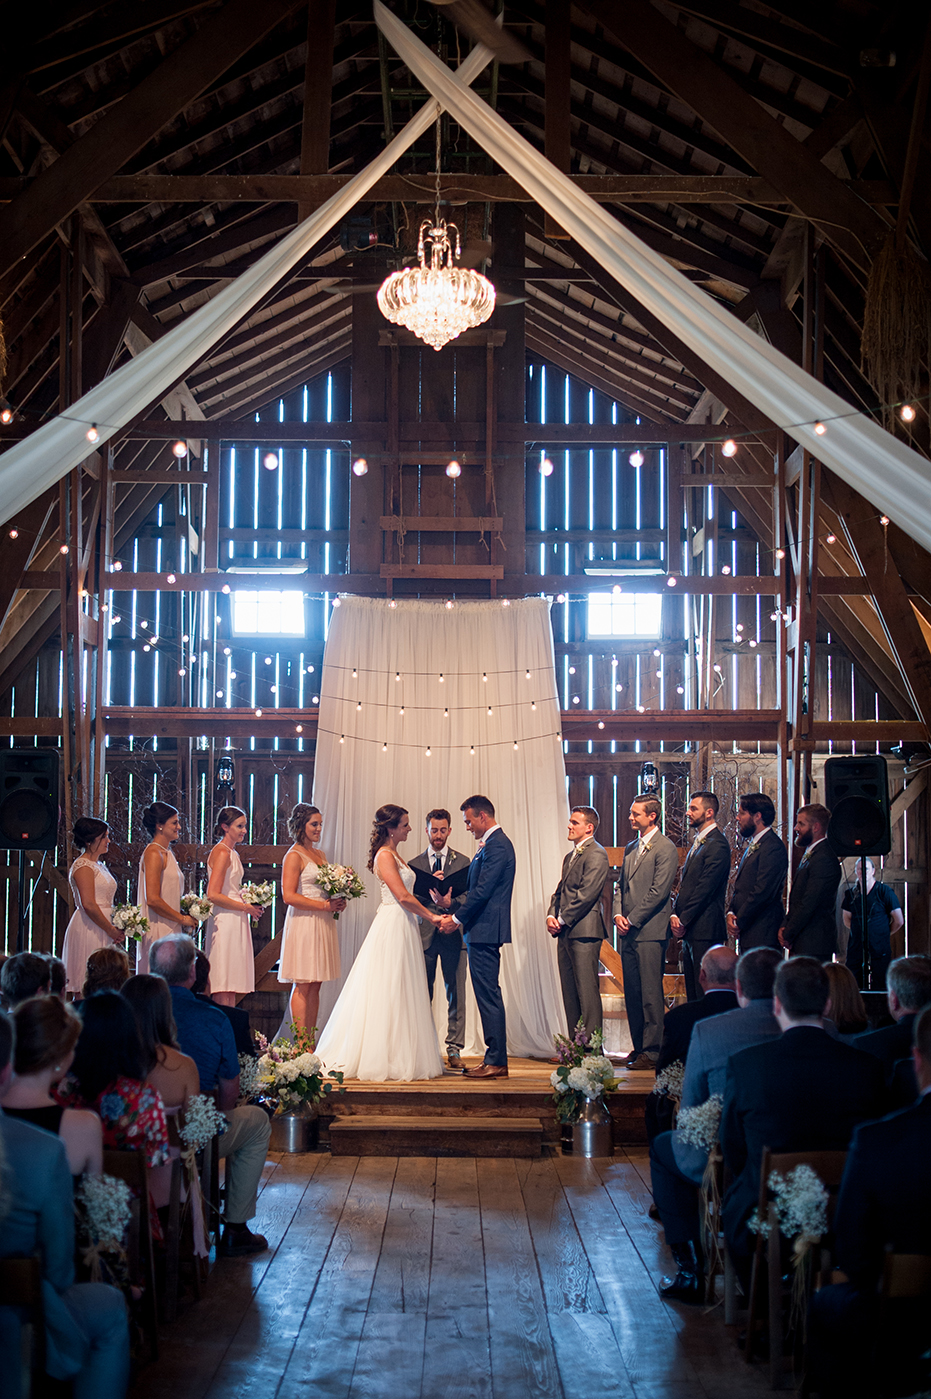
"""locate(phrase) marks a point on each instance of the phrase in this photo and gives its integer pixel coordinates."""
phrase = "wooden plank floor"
(450, 1279)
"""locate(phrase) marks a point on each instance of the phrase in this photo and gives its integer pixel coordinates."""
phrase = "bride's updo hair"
(386, 818)
(225, 817)
(156, 815)
(298, 819)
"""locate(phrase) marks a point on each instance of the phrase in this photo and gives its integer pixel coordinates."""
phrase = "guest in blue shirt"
(205, 1034)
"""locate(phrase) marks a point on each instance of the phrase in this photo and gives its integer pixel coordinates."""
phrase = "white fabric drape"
(36, 463)
(883, 469)
(420, 641)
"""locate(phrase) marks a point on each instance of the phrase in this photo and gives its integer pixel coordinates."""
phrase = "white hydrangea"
(307, 1064)
(583, 1082)
(558, 1083)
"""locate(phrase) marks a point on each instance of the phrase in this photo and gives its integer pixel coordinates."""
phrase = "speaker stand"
(864, 928)
(21, 905)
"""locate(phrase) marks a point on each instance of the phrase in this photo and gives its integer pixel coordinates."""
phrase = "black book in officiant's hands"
(455, 884)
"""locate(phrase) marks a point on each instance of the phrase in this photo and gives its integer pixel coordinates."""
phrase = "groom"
(485, 918)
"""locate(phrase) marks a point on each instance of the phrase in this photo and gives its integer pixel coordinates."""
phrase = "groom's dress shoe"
(487, 1071)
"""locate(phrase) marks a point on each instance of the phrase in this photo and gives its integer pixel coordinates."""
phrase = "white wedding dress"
(381, 1028)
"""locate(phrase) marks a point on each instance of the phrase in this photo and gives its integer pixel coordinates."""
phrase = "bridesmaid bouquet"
(196, 906)
(258, 895)
(340, 882)
(130, 920)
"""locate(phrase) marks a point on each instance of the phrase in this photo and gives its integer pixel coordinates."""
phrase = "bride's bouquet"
(196, 906)
(258, 895)
(130, 920)
(340, 882)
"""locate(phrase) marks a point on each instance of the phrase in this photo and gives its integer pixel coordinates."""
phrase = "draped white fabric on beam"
(883, 469)
(421, 641)
(33, 465)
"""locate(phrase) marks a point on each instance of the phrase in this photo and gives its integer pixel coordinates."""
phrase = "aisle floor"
(450, 1278)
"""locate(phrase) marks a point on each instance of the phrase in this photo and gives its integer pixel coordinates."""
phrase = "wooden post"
(557, 143)
(510, 374)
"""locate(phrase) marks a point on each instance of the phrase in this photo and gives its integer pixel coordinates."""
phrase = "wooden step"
(435, 1136)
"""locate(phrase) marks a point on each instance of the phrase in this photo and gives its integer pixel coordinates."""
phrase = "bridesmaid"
(228, 941)
(161, 882)
(93, 887)
(309, 946)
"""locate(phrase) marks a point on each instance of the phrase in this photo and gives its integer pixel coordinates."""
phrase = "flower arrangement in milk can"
(584, 1074)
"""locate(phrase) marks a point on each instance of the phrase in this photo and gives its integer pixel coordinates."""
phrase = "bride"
(381, 1027)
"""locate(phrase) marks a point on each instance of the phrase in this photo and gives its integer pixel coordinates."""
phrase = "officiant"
(442, 878)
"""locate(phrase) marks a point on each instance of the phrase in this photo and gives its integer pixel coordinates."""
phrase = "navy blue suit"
(485, 918)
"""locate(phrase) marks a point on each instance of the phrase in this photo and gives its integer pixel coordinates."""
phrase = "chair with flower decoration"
(829, 1167)
(130, 1166)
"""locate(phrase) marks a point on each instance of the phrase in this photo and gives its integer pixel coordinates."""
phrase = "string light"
(401, 711)
(726, 570)
(171, 578)
(182, 672)
(576, 699)
(505, 602)
(147, 647)
(752, 644)
(299, 728)
(490, 711)
(884, 520)
(453, 470)
(6, 414)
(92, 434)
(560, 597)
(680, 689)
(671, 581)
(442, 678)
(449, 604)
(63, 549)
(268, 659)
(472, 751)
(360, 466)
(515, 746)
(355, 675)
(392, 603)
(637, 458)
(358, 706)
(601, 723)
(831, 539)
(820, 429)
(533, 704)
(225, 588)
(428, 753)
(729, 448)
(546, 467)
(14, 534)
(342, 738)
(397, 675)
(445, 713)
(179, 449)
(780, 553)
(572, 670)
(271, 461)
(616, 590)
(906, 413)
(384, 748)
(527, 675)
(337, 602)
(226, 649)
(485, 677)
(116, 566)
(258, 713)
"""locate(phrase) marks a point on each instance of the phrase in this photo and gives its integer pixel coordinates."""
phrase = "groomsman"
(642, 908)
(485, 918)
(810, 929)
(577, 922)
(699, 917)
(441, 861)
(757, 911)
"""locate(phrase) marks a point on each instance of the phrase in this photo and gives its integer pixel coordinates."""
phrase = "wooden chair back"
(21, 1286)
(906, 1276)
(130, 1166)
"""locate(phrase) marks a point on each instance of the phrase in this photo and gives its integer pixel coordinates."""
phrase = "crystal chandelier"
(439, 301)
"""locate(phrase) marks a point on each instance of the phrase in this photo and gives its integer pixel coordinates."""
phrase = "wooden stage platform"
(457, 1116)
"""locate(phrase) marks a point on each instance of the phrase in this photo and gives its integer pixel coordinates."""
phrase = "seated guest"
(107, 969)
(58, 975)
(908, 990)
(204, 1032)
(716, 979)
(884, 1203)
(86, 1328)
(108, 1075)
(802, 1092)
(238, 1018)
(676, 1166)
(172, 1074)
(845, 1004)
(25, 974)
(46, 1034)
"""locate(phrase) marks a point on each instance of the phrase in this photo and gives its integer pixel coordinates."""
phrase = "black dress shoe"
(238, 1241)
(688, 1285)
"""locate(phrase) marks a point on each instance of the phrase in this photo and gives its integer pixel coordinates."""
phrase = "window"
(258, 612)
(619, 614)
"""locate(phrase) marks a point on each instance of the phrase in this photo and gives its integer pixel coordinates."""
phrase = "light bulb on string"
(360, 466)
(726, 570)
(271, 461)
(182, 672)
(780, 553)
(143, 624)
(14, 534)
(268, 659)
(560, 597)
(907, 413)
(472, 751)
(116, 566)
(392, 603)
(601, 723)
(533, 704)
(258, 713)
(527, 675)
(428, 752)
(315, 700)
(448, 604)
(671, 581)
(490, 711)
(572, 670)
(680, 689)
(636, 458)
(63, 549)
(6, 414)
(397, 675)
(342, 738)
(546, 467)
(884, 520)
(453, 470)
(171, 578)
(729, 448)
(384, 748)
(576, 699)
(401, 711)
(752, 644)
(442, 678)
(299, 728)
(358, 706)
(831, 539)
(445, 713)
(820, 429)
(225, 588)
(337, 602)
(92, 434)
(616, 590)
(179, 449)
(515, 747)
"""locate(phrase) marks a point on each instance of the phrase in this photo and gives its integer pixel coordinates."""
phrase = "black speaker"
(856, 791)
(28, 798)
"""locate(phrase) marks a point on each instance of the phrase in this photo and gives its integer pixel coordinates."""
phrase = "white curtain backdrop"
(883, 469)
(370, 643)
(33, 465)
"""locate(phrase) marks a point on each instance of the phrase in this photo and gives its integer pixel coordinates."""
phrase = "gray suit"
(448, 949)
(577, 904)
(712, 1044)
(87, 1333)
(643, 894)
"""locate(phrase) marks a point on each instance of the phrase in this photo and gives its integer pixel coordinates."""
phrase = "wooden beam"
(318, 90)
(867, 540)
(908, 795)
(18, 553)
(19, 727)
(443, 524)
(763, 142)
(868, 731)
(592, 371)
(125, 129)
(557, 142)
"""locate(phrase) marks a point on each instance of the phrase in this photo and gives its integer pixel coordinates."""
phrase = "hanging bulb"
(533, 704)
(616, 590)
(526, 674)
(671, 581)
(392, 603)
(384, 748)
(449, 604)
(358, 706)
(752, 645)
(726, 570)
(401, 711)
(831, 539)
(225, 588)
(445, 713)
(472, 751)
(680, 689)
(428, 752)
(226, 649)
(515, 747)
(729, 448)
(310, 670)
(546, 466)
(820, 429)
(739, 627)
(780, 553)
(63, 549)
(92, 434)
(576, 699)
(144, 624)
(182, 672)
(572, 670)
(636, 458)
(147, 647)
(171, 578)
(342, 738)
(179, 448)
(258, 713)
(906, 413)
(453, 470)
(271, 461)
(601, 723)
(442, 678)
(337, 602)
(315, 700)
(490, 711)
(6, 414)
(560, 597)
(268, 659)
(360, 466)
(14, 533)
(355, 675)
(397, 675)
(116, 566)
(505, 602)
(299, 728)
(884, 520)
(485, 677)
